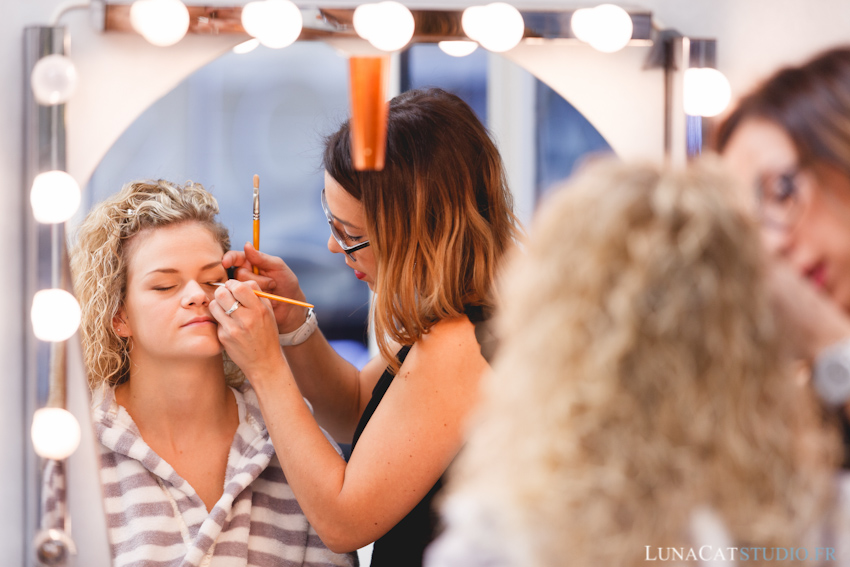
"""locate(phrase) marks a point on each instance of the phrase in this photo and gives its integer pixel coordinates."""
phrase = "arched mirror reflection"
(266, 112)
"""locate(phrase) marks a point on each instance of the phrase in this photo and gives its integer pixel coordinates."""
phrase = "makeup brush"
(256, 217)
(276, 297)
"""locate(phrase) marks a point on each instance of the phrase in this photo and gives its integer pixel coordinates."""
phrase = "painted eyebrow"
(209, 266)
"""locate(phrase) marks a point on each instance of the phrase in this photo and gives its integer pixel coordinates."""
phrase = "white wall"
(121, 75)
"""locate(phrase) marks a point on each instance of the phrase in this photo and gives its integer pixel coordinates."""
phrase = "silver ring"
(232, 309)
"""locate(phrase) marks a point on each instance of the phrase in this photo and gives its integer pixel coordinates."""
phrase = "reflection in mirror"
(266, 112)
(560, 135)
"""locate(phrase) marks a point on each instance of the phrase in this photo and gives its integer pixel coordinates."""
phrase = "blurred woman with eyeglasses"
(790, 140)
(427, 234)
(789, 143)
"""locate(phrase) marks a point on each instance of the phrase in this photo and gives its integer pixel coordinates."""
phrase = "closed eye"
(163, 288)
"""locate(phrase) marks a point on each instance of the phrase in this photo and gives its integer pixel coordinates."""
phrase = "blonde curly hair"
(99, 263)
(642, 378)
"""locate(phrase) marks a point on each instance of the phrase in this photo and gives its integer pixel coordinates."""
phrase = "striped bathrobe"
(156, 519)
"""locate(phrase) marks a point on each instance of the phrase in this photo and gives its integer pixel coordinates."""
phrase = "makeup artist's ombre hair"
(439, 215)
(100, 258)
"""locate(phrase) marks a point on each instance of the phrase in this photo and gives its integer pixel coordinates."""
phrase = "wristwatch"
(302, 333)
(831, 374)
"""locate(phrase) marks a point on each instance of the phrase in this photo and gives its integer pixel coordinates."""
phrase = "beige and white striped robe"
(156, 519)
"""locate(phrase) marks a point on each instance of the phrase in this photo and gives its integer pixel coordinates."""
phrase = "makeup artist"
(428, 235)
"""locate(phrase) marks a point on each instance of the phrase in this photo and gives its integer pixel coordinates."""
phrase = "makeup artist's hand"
(275, 277)
(248, 334)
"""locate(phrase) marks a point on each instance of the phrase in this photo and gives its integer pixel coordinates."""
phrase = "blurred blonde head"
(641, 379)
(100, 258)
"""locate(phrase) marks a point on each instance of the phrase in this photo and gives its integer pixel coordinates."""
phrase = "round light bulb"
(366, 20)
(612, 28)
(54, 547)
(246, 46)
(498, 26)
(706, 92)
(55, 197)
(55, 433)
(55, 315)
(53, 79)
(607, 28)
(473, 21)
(253, 18)
(388, 26)
(458, 48)
(276, 23)
(161, 22)
(581, 22)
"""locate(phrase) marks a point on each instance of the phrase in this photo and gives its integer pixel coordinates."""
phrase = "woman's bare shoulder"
(450, 344)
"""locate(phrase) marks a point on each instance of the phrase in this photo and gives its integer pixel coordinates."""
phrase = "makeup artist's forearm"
(330, 383)
(311, 465)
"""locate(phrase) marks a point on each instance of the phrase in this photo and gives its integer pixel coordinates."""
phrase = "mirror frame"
(45, 149)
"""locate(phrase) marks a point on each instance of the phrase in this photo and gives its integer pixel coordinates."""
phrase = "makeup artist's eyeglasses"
(339, 235)
(782, 198)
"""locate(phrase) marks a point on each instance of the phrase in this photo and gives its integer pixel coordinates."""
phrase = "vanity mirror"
(264, 112)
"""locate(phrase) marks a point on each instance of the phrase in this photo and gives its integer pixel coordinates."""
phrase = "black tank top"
(404, 545)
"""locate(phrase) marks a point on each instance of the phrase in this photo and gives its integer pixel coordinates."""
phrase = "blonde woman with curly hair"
(641, 402)
(427, 234)
(189, 474)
